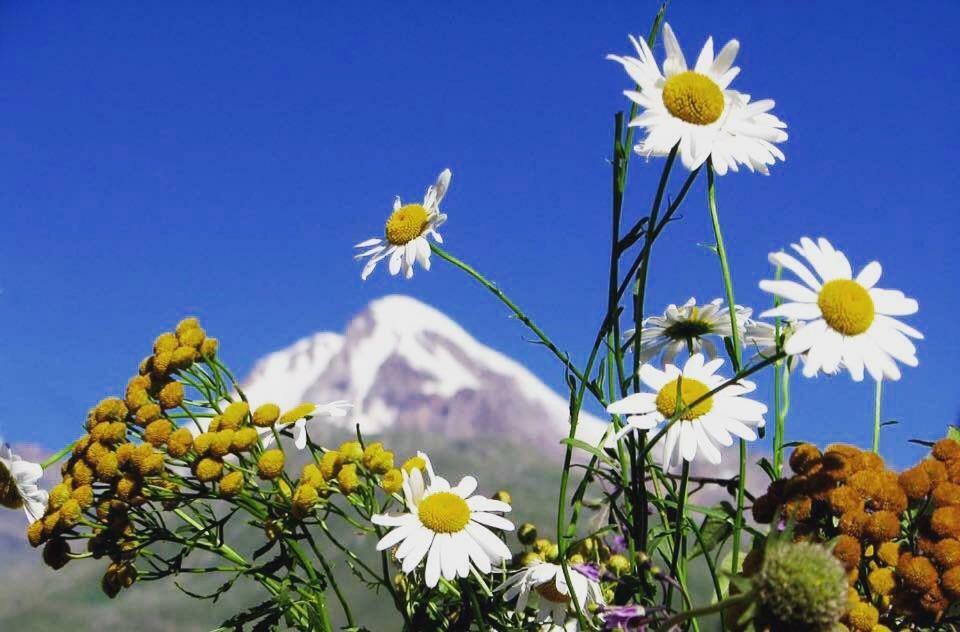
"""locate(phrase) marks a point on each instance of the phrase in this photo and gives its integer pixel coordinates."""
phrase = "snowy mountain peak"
(406, 365)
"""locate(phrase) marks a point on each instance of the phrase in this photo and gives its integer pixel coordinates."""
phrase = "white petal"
(492, 520)
(481, 503)
(467, 486)
(637, 403)
(893, 303)
(432, 573)
(790, 290)
(805, 337)
(870, 274)
(491, 544)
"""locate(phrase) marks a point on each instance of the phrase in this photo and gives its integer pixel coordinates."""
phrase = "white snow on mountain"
(404, 364)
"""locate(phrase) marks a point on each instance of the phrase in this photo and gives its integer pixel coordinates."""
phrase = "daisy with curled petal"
(405, 236)
(299, 417)
(446, 524)
(18, 484)
(700, 425)
(696, 111)
(848, 322)
(548, 585)
(687, 327)
(762, 338)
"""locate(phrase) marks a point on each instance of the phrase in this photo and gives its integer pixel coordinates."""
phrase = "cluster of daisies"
(830, 320)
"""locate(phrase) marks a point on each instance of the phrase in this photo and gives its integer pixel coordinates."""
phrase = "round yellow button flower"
(270, 464)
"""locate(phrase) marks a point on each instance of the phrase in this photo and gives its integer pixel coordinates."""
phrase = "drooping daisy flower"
(299, 417)
(18, 484)
(761, 338)
(447, 525)
(848, 321)
(696, 109)
(687, 327)
(548, 585)
(405, 237)
(700, 425)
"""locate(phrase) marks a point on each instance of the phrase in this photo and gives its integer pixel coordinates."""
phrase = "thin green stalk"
(539, 333)
(876, 417)
(779, 425)
(54, 458)
(720, 606)
(737, 351)
(681, 516)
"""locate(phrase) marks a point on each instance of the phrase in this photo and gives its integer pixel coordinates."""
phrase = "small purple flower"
(590, 571)
(629, 618)
(618, 544)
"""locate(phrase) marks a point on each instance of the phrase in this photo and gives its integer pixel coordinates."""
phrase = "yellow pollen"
(550, 592)
(693, 97)
(406, 224)
(690, 391)
(846, 306)
(444, 512)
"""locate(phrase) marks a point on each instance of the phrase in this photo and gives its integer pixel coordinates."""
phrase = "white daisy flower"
(687, 327)
(761, 338)
(848, 321)
(696, 109)
(338, 408)
(549, 588)
(405, 237)
(713, 420)
(18, 484)
(447, 525)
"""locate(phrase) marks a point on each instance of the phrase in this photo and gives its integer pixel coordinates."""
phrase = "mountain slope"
(406, 366)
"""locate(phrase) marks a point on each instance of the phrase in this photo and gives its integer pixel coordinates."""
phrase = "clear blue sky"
(221, 159)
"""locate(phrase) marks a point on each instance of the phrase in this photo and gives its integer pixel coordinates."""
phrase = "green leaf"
(953, 432)
(714, 533)
(595, 451)
(724, 571)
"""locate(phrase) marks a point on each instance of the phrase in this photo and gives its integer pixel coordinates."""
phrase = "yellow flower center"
(444, 512)
(846, 306)
(406, 224)
(690, 391)
(550, 592)
(693, 97)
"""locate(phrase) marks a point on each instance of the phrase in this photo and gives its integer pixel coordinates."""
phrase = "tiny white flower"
(546, 583)
(697, 110)
(713, 420)
(405, 236)
(446, 524)
(847, 321)
(689, 327)
(19, 484)
(337, 408)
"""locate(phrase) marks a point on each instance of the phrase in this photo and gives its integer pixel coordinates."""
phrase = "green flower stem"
(720, 606)
(778, 385)
(876, 417)
(539, 333)
(54, 458)
(680, 519)
(737, 352)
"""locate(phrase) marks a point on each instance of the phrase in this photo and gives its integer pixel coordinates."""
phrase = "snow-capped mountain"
(406, 366)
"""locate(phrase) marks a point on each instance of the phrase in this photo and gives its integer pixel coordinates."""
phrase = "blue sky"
(221, 159)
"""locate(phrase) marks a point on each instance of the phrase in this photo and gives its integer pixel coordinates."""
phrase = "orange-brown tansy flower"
(947, 553)
(881, 526)
(58, 495)
(845, 498)
(222, 443)
(110, 409)
(853, 523)
(82, 474)
(83, 495)
(847, 550)
(183, 357)
(865, 482)
(915, 483)
(190, 322)
(951, 583)
(945, 522)
(201, 443)
(916, 572)
(209, 347)
(945, 493)
(934, 601)
(192, 337)
(96, 450)
(35, 533)
(798, 508)
(936, 470)
(127, 487)
(764, 509)
(148, 413)
(804, 457)
(107, 467)
(869, 461)
(946, 450)
(161, 363)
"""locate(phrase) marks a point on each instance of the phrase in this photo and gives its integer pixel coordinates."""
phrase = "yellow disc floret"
(392, 482)
(234, 415)
(348, 479)
(266, 415)
(846, 306)
(444, 512)
(231, 484)
(406, 224)
(690, 391)
(171, 395)
(693, 97)
(351, 452)
(270, 465)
